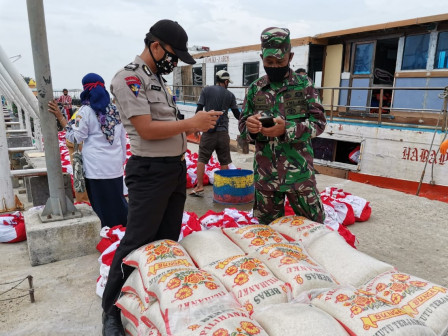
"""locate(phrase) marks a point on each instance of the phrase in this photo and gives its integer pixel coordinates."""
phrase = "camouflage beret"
(275, 42)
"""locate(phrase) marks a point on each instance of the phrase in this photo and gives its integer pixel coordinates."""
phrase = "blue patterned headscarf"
(96, 95)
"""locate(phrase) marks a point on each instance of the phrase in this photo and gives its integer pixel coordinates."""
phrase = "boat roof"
(387, 25)
(324, 37)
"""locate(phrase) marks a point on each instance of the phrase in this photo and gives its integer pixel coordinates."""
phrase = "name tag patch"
(134, 84)
(261, 103)
(296, 105)
(156, 87)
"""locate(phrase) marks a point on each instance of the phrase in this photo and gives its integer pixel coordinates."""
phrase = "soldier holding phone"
(281, 113)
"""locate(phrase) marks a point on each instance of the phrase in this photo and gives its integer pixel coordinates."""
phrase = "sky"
(102, 36)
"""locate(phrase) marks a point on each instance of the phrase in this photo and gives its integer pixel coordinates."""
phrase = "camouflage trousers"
(269, 205)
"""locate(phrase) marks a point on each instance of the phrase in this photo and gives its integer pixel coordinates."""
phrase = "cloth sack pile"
(12, 228)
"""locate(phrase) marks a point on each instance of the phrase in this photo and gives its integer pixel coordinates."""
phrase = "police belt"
(164, 159)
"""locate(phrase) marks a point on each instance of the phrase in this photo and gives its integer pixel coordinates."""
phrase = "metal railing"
(381, 114)
(191, 93)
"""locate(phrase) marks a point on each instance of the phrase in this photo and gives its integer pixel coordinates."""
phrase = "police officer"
(284, 156)
(156, 171)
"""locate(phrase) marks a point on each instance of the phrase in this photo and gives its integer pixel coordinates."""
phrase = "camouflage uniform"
(284, 165)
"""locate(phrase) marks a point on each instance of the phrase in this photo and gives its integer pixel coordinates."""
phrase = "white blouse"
(101, 160)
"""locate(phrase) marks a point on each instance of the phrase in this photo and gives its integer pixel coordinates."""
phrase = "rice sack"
(297, 319)
(291, 263)
(364, 314)
(208, 246)
(251, 281)
(249, 238)
(299, 228)
(346, 264)
(157, 258)
(227, 322)
(132, 308)
(421, 299)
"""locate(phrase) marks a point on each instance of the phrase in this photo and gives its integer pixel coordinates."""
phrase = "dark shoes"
(112, 325)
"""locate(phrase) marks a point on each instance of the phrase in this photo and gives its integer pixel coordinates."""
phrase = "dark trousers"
(107, 200)
(157, 193)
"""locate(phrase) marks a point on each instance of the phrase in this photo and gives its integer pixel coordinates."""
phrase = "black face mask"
(166, 64)
(276, 74)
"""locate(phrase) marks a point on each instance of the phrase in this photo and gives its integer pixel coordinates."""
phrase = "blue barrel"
(233, 186)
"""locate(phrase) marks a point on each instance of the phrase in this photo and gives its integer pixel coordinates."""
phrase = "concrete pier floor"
(404, 230)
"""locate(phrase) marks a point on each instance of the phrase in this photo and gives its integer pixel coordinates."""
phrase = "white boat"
(384, 88)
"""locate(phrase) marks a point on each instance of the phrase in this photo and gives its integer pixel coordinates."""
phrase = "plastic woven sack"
(251, 281)
(249, 238)
(297, 319)
(299, 228)
(292, 264)
(347, 265)
(364, 314)
(421, 299)
(157, 258)
(208, 246)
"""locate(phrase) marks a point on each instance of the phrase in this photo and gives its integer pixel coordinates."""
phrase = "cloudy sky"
(104, 35)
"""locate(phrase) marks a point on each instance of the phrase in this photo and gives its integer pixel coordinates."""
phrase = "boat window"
(363, 59)
(415, 53)
(385, 61)
(219, 67)
(336, 150)
(251, 72)
(441, 60)
(197, 75)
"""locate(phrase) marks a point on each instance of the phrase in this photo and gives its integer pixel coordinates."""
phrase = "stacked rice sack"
(292, 277)
(372, 299)
(264, 287)
(167, 292)
(346, 264)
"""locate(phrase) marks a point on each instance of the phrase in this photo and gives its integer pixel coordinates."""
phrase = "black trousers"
(107, 200)
(157, 193)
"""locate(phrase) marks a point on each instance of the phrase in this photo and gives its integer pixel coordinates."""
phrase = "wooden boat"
(384, 88)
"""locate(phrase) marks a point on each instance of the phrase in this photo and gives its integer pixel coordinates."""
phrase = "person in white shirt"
(98, 126)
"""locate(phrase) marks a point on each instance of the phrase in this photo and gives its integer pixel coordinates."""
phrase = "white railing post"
(16, 95)
(7, 200)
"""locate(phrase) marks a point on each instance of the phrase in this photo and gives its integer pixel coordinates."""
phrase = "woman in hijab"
(98, 126)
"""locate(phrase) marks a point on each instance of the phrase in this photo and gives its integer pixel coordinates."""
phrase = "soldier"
(156, 171)
(284, 155)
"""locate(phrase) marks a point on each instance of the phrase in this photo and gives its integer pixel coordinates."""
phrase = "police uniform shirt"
(138, 91)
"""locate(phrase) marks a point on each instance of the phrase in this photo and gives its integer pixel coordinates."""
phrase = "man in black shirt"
(217, 98)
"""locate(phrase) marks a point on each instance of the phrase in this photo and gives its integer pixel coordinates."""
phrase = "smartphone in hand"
(267, 121)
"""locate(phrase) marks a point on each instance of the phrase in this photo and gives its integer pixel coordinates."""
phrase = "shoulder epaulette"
(146, 70)
(131, 66)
